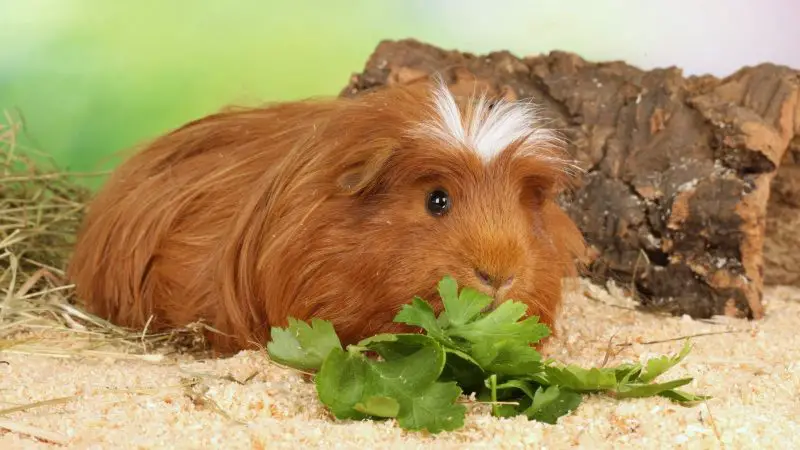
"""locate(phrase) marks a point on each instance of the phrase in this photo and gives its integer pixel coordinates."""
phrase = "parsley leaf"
(503, 323)
(507, 357)
(420, 314)
(517, 391)
(379, 406)
(627, 372)
(417, 378)
(578, 379)
(341, 383)
(633, 390)
(434, 409)
(523, 386)
(551, 403)
(545, 404)
(463, 369)
(301, 345)
(404, 385)
(657, 366)
(683, 397)
(463, 307)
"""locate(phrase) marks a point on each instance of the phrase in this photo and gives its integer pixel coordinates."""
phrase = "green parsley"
(417, 379)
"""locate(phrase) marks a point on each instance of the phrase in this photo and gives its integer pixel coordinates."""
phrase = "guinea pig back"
(342, 209)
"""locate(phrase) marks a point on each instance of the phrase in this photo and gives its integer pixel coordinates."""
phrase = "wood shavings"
(133, 403)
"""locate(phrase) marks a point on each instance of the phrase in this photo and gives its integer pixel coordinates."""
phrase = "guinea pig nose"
(493, 281)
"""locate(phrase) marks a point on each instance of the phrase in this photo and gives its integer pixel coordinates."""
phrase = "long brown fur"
(315, 208)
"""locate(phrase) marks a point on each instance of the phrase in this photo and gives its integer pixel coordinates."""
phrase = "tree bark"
(679, 169)
(782, 242)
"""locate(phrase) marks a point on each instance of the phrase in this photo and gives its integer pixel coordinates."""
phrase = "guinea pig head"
(451, 188)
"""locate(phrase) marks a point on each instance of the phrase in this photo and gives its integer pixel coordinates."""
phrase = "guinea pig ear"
(362, 173)
(543, 180)
(537, 189)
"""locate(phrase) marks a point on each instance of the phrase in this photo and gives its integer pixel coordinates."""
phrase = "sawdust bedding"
(751, 369)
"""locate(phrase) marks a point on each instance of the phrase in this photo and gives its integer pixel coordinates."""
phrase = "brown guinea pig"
(342, 209)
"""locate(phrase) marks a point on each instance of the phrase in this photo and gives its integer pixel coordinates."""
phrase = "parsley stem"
(493, 387)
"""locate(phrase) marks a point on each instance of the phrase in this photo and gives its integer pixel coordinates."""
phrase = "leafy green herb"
(303, 346)
(632, 390)
(404, 385)
(463, 307)
(683, 397)
(579, 379)
(420, 314)
(656, 367)
(418, 378)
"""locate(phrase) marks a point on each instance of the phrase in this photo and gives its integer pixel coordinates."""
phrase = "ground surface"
(754, 376)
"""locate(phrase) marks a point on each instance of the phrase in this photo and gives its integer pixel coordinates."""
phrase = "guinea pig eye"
(438, 202)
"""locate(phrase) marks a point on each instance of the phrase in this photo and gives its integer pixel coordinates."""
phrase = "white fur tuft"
(451, 125)
(490, 130)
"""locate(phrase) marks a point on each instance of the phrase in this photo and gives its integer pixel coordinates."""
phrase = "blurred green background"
(93, 77)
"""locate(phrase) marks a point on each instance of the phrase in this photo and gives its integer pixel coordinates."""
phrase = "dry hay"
(40, 212)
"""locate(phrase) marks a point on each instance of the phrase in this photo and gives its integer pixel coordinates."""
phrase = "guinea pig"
(343, 209)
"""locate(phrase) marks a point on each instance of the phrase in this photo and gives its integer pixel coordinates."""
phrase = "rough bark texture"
(679, 168)
(782, 243)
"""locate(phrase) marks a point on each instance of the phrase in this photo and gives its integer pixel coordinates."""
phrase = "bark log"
(679, 168)
(782, 242)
